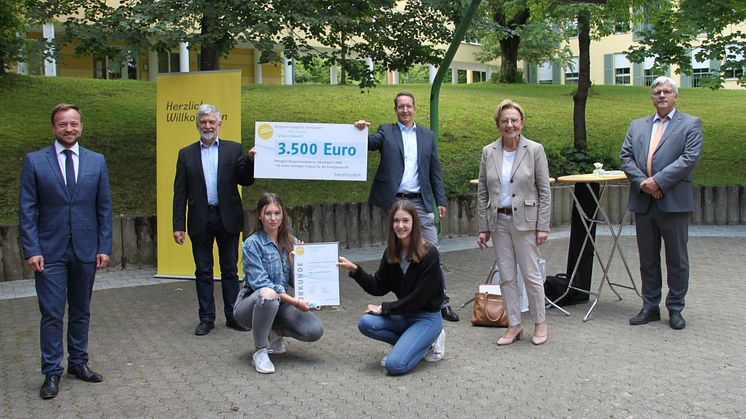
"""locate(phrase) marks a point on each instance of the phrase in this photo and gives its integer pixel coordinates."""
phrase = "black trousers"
(202, 246)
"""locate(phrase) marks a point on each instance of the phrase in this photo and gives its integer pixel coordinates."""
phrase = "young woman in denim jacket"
(410, 268)
(264, 305)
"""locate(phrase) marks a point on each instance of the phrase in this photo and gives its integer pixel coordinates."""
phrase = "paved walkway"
(142, 341)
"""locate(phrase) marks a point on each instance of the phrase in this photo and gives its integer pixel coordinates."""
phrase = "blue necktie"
(69, 171)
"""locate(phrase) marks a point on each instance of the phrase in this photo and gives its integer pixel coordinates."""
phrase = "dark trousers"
(65, 281)
(673, 228)
(228, 254)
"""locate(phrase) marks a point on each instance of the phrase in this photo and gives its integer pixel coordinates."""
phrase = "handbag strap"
(486, 312)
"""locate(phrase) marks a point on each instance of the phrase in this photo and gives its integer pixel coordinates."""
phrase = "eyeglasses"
(504, 121)
(664, 92)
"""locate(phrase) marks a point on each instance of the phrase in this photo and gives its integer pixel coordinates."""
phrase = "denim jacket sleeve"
(262, 265)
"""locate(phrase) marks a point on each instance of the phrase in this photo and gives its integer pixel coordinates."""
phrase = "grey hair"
(665, 80)
(207, 109)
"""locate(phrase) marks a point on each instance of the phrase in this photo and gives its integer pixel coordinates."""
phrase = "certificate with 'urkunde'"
(306, 151)
(316, 273)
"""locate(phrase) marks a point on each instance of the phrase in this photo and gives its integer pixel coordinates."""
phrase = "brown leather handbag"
(488, 310)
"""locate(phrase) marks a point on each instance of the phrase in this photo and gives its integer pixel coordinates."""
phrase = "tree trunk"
(584, 83)
(509, 46)
(509, 61)
(208, 52)
(343, 62)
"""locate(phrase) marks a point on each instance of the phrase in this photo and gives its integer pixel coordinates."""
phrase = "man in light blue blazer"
(409, 169)
(65, 225)
(659, 155)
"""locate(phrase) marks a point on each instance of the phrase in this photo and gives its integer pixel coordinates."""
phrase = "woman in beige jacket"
(514, 207)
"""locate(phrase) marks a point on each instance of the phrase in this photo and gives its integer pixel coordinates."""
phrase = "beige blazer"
(529, 186)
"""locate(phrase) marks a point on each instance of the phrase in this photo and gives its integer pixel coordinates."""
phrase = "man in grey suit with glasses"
(659, 155)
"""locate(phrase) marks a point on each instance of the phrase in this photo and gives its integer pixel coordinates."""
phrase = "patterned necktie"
(654, 143)
(69, 171)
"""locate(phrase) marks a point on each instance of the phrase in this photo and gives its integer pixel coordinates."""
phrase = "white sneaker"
(262, 363)
(437, 349)
(276, 343)
(383, 361)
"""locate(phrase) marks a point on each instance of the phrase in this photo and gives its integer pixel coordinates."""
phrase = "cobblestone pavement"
(142, 340)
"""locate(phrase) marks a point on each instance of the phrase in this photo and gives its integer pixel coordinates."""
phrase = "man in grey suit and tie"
(65, 225)
(659, 155)
(409, 169)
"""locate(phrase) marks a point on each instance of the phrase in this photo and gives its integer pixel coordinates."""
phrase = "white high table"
(600, 217)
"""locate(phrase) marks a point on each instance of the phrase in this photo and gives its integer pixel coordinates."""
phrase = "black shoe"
(448, 314)
(50, 388)
(83, 372)
(233, 324)
(204, 328)
(645, 316)
(675, 320)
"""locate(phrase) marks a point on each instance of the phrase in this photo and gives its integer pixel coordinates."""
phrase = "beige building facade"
(610, 66)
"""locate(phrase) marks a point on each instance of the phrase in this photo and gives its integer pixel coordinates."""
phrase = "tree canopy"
(673, 30)
(11, 24)
(340, 32)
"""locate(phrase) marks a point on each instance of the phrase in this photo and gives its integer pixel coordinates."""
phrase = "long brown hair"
(284, 237)
(416, 250)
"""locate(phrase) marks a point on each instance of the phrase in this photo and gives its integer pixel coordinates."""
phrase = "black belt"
(506, 211)
(409, 195)
(212, 207)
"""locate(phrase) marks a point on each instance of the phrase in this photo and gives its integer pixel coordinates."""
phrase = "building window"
(571, 72)
(698, 74)
(621, 27)
(168, 62)
(700, 69)
(108, 68)
(621, 70)
(734, 71)
(34, 61)
(478, 76)
(545, 73)
(649, 75)
(621, 76)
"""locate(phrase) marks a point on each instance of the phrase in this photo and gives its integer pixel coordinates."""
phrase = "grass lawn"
(120, 122)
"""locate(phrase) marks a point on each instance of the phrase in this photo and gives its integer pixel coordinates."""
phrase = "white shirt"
(410, 181)
(62, 158)
(506, 201)
(656, 122)
(210, 169)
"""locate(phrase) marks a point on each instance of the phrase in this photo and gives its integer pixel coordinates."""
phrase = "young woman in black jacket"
(409, 268)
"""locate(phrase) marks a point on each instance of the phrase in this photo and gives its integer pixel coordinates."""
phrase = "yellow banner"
(179, 95)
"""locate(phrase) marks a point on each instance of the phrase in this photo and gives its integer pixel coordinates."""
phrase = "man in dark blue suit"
(208, 173)
(409, 169)
(65, 223)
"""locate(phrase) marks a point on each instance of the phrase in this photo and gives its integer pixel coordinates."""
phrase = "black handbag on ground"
(555, 286)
